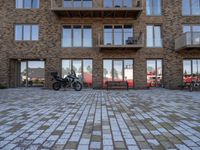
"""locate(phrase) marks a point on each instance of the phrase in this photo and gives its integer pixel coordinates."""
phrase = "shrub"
(2, 86)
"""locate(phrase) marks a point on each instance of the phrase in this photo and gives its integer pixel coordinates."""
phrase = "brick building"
(144, 42)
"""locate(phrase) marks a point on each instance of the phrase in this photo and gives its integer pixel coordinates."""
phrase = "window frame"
(156, 67)
(82, 66)
(113, 36)
(191, 67)
(72, 36)
(191, 27)
(161, 39)
(72, 4)
(23, 5)
(113, 4)
(123, 68)
(22, 33)
(191, 12)
(152, 14)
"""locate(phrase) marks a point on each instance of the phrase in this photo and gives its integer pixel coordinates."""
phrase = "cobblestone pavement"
(95, 119)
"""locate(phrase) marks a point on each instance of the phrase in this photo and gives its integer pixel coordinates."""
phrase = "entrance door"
(32, 73)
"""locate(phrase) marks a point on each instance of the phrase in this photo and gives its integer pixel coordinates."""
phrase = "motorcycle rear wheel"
(56, 86)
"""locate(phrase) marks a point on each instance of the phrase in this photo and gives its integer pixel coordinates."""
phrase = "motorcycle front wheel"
(56, 86)
(77, 86)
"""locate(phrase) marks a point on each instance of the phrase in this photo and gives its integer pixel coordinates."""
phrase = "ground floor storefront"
(96, 73)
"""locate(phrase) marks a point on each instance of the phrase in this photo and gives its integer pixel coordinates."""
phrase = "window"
(153, 7)
(77, 3)
(27, 4)
(82, 68)
(191, 70)
(154, 36)
(117, 34)
(154, 72)
(117, 3)
(77, 36)
(191, 7)
(118, 70)
(26, 32)
(192, 34)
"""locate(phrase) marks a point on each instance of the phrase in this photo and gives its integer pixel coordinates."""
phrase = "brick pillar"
(51, 65)
(97, 73)
(140, 72)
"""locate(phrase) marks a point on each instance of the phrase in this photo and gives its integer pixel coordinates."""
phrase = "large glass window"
(87, 72)
(108, 35)
(128, 33)
(192, 34)
(35, 3)
(153, 7)
(118, 3)
(118, 35)
(67, 36)
(87, 36)
(19, 3)
(18, 32)
(128, 3)
(128, 72)
(118, 70)
(154, 36)
(77, 36)
(154, 72)
(82, 68)
(108, 3)
(78, 3)
(26, 32)
(87, 3)
(190, 7)
(191, 70)
(27, 4)
(68, 3)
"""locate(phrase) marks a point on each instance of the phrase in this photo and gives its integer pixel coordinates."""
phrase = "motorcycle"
(69, 81)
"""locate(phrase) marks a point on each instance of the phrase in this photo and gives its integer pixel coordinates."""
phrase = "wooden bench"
(117, 85)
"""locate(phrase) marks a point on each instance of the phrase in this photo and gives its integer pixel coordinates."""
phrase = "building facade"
(144, 42)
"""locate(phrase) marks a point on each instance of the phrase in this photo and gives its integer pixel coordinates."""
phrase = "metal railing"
(120, 39)
(60, 4)
(188, 39)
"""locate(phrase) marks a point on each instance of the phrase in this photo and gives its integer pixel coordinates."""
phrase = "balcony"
(134, 42)
(96, 10)
(188, 40)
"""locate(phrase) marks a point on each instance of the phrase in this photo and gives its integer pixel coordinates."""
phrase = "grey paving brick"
(98, 119)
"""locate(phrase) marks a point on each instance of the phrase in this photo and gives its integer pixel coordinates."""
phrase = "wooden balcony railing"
(188, 40)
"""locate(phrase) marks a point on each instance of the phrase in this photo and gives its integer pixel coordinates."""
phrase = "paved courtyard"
(95, 119)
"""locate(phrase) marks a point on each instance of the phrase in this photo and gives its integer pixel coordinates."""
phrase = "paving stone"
(97, 119)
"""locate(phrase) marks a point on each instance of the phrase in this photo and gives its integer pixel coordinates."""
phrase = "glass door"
(32, 73)
(23, 74)
(154, 73)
